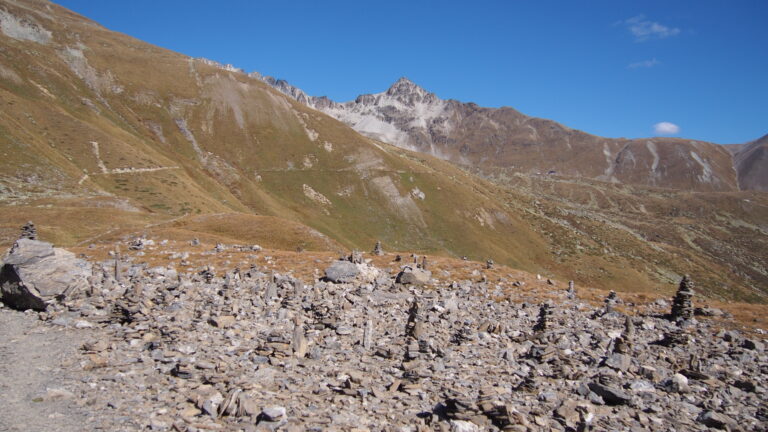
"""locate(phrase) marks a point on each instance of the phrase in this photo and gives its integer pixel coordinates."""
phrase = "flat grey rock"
(342, 272)
(35, 273)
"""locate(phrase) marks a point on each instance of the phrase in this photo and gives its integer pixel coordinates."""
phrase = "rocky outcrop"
(35, 273)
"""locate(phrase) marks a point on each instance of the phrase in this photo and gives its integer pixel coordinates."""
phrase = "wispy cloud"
(644, 64)
(644, 29)
(666, 128)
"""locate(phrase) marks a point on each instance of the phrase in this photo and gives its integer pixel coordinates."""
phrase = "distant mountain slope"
(408, 116)
(102, 134)
(751, 162)
(89, 113)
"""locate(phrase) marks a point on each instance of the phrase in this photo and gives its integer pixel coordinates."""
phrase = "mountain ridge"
(411, 117)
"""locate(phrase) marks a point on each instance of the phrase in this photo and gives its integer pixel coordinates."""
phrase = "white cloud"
(666, 128)
(644, 64)
(643, 29)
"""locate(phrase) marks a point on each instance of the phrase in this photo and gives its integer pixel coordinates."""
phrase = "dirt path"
(40, 376)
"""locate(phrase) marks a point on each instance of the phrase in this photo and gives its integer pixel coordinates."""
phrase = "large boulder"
(342, 272)
(414, 276)
(34, 273)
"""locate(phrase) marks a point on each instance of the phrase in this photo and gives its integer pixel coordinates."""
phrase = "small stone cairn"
(623, 343)
(28, 231)
(356, 257)
(610, 301)
(377, 249)
(570, 294)
(207, 274)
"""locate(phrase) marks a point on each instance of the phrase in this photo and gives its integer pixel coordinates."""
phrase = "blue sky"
(695, 69)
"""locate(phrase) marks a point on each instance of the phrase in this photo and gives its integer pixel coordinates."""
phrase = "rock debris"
(371, 350)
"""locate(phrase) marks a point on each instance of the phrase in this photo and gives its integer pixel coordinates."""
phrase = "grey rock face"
(342, 272)
(35, 273)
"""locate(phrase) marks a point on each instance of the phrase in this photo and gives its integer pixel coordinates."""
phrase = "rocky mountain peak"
(405, 88)
(403, 85)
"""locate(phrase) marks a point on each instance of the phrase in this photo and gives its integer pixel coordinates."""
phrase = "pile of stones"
(28, 231)
(682, 306)
(364, 349)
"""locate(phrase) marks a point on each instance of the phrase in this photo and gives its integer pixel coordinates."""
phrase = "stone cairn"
(356, 257)
(682, 307)
(424, 263)
(489, 264)
(136, 244)
(610, 301)
(28, 231)
(545, 318)
(623, 343)
(207, 274)
(675, 337)
(571, 292)
(377, 250)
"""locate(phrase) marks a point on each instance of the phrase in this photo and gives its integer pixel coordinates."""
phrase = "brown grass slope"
(93, 114)
(102, 134)
(632, 233)
(504, 138)
(751, 163)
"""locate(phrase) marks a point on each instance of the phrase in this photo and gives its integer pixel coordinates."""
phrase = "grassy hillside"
(104, 135)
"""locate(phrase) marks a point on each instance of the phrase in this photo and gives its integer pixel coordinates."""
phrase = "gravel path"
(39, 376)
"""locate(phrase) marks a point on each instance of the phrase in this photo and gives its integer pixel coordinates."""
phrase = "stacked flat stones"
(545, 318)
(377, 250)
(682, 306)
(28, 231)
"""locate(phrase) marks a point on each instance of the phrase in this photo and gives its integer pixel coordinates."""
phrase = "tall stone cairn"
(571, 292)
(623, 344)
(28, 231)
(682, 306)
(545, 318)
(377, 250)
(413, 318)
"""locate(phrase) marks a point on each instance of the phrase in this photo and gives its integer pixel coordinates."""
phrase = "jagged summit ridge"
(408, 116)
